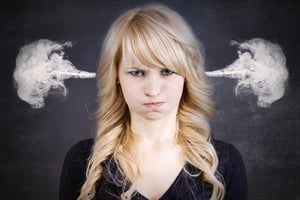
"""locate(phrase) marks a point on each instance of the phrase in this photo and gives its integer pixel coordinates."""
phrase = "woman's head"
(156, 36)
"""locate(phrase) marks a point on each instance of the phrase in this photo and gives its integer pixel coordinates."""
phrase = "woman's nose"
(153, 85)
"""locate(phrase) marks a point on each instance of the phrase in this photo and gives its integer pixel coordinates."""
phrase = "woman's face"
(151, 93)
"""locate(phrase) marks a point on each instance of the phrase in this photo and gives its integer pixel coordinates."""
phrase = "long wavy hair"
(158, 36)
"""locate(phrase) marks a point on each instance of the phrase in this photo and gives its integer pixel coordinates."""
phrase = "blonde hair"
(158, 36)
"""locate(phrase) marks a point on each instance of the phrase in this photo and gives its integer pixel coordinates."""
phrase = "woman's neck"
(155, 131)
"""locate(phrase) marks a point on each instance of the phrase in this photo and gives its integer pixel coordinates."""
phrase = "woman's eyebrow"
(136, 67)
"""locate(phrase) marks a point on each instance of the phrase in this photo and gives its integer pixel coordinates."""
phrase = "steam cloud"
(40, 67)
(260, 69)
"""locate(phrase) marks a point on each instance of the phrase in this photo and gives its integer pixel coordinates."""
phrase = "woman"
(153, 138)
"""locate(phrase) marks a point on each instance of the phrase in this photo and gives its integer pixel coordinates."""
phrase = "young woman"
(153, 138)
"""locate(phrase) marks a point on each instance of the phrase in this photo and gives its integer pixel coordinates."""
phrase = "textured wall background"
(33, 142)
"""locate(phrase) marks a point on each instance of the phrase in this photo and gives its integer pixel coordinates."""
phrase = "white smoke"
(260, 68)
(41, 67)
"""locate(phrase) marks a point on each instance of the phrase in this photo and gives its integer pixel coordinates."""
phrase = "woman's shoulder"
(74, 169)
(231, 167)
(82, 145)
(225, 150)
(230, 159)
(80, 151)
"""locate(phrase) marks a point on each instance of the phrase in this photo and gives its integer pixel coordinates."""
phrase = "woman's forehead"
(137, 58)
(130, 61)
(153, 52)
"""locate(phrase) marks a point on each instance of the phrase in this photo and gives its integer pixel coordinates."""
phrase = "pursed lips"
(154, 104)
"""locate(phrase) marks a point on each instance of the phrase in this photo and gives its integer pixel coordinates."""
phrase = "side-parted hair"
(160, 37)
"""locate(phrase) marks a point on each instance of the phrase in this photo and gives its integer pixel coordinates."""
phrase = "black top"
(185, 187)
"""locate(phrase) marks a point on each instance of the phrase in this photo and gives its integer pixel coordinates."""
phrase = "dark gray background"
(33, 142)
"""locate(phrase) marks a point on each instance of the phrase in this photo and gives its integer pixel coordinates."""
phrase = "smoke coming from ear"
(40, 68)
(260, 68)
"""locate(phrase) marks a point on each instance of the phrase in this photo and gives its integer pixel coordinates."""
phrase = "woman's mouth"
(153, 104)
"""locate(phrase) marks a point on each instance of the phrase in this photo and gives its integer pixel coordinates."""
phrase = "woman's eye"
(166, 72)
(137, 73)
